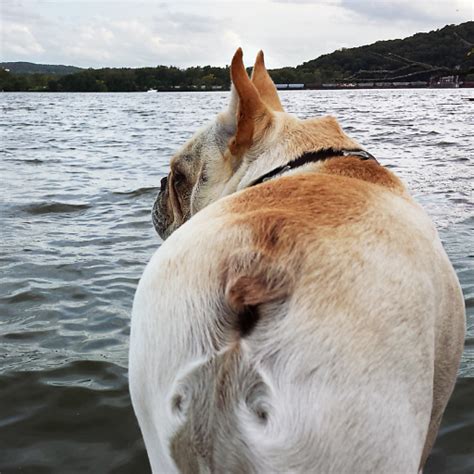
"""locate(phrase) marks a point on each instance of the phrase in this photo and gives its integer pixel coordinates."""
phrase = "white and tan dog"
(309, 322)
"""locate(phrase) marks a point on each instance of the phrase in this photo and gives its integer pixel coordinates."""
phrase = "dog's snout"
(163, 182)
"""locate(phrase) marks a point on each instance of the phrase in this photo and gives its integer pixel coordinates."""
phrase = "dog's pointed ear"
(228, 117)
(253, 115)
(265, 85)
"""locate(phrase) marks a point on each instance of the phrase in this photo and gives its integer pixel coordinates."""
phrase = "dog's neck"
(354, 163)
(316, 145)
(312, 157)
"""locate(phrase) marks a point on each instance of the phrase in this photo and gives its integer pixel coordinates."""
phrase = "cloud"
(453, 11)
(17, 39)
(190, 23)
(110, 42)
(183, 33)
(320, 3)
(15, 11)
(166, 37)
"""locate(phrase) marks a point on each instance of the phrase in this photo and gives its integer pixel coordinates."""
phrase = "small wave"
(54, 207)
(138, 192)
(26, 335)
(32, 161)
(443, 143)
(23, 296)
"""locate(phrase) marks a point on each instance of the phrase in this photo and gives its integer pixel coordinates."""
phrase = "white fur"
(174, 322)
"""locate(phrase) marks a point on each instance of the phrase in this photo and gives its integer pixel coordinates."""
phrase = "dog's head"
(203, 166)
(197, 173)
(221, 157)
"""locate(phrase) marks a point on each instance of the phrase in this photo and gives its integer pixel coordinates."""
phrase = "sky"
(129, 33)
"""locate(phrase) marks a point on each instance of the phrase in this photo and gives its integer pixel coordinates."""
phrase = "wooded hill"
(20, 67)
(417, 57)
(447, 51)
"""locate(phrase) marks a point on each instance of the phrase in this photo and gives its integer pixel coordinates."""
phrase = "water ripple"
(80, 173)
(54, 207)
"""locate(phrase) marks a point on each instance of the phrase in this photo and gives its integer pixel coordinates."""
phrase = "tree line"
(142, 79)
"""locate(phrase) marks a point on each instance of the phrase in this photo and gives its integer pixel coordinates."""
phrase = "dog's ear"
(228, 117)
(253, 115)
(264, 84)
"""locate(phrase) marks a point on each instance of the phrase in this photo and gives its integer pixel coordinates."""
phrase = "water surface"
(79, 174)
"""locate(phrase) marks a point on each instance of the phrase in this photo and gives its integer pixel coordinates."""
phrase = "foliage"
(445, 48)
(21, 67)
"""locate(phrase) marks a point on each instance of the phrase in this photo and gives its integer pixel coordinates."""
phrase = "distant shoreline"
(331, 88)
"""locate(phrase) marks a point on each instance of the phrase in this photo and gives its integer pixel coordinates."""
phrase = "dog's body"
(312, 323)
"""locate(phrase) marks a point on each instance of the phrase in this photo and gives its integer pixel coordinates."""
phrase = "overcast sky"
(184, 33)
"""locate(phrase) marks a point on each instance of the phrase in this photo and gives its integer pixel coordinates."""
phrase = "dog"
(301, 315)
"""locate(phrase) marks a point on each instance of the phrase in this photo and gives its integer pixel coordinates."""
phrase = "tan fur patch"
(369, 171)
(282, 212)
(302, 136)
(251, 279)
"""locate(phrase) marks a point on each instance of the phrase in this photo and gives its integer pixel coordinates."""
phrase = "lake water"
(79, 174)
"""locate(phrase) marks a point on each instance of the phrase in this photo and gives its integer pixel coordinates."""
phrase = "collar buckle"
(364, 155)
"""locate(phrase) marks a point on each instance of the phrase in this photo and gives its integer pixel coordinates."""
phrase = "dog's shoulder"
(365, 170)
(338, 195)
(294, 214)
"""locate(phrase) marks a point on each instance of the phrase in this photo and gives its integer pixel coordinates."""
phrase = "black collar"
(312, 157)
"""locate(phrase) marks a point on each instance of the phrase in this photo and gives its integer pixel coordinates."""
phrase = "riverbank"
(292, 89)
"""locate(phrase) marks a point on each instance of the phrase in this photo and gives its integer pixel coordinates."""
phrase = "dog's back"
(316, 330)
